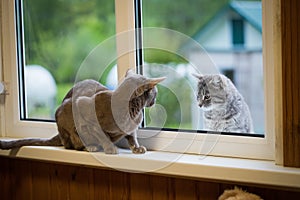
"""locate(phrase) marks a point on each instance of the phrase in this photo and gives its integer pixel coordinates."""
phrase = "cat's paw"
(139, 150)
(92, 148)
(112, 149)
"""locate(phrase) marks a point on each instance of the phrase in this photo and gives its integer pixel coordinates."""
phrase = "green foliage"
(178, 111)
(62, 90)
(160, 56)
(60, 34)
(174, 96)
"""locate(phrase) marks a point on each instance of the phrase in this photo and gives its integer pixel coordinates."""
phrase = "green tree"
(60, 34)
(186, 17)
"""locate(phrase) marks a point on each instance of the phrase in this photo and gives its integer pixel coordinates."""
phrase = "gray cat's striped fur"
(224, 108)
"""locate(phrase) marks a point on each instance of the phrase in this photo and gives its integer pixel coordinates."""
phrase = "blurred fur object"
(238, 194)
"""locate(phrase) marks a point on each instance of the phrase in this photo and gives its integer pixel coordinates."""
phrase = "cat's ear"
(198, 76)
(129, 72)
(152, 82)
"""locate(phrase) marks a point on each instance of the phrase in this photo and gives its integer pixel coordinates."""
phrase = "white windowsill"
(193, 166)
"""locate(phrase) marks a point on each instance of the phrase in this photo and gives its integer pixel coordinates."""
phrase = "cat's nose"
(200, 104)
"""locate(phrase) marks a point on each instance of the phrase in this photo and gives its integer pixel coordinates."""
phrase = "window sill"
(173, 164)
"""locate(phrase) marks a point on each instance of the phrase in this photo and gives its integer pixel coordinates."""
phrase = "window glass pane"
(57, 36)
(218, 26)
(238, 31)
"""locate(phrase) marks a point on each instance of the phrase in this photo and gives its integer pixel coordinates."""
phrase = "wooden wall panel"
(185, 189)
(5, 179)
(138, 190)
(162, 188)
(40, 188)
(35, 180)
(22, 180)
(290, 31)
(81, 185)
(101, 185)
(209, 190)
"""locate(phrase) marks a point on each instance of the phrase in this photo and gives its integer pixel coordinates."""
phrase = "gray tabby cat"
(92, 118)
(224, 107)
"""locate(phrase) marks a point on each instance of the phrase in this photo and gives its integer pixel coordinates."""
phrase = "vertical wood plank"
(6, 179)
(22, 171)
(207, 191)
(185, 189)
(101, 184)
(273, 42)
(162, 188)
(40, 181)
(59, 182)
(81, 183)
(290, 69)
(295, 54)
(286, 54)
(119, 185)
(140, 187)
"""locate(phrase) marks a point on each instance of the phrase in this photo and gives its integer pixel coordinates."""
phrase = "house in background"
(233, 41)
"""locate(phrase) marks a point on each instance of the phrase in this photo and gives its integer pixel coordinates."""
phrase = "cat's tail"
(10, 144)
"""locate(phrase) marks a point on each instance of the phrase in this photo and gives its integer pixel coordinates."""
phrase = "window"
(237, 32)
(168, 139)
(229, 73)
(57, 37)
(56, 40)
(178, 27)
(170, 50)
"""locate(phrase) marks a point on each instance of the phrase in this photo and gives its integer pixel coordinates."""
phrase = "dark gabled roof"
(251, 11)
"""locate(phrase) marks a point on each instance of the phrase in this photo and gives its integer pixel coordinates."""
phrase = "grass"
(62, 90)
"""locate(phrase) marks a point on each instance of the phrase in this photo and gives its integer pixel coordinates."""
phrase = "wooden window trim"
(286, 31)
(290, 49)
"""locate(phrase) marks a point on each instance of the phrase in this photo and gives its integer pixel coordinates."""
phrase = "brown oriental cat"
(92, 118)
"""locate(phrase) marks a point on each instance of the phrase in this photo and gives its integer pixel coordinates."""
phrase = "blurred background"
(60, 34)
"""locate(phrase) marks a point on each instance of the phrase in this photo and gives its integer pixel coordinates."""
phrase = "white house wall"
(218, 35)
(253, 39)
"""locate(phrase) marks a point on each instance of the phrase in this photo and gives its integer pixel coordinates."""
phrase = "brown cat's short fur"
(91, 117)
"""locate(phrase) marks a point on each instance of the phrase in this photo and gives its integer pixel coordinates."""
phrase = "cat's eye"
(207, 97)
(148, 90)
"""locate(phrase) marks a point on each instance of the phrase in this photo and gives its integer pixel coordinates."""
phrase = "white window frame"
(223, 145)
